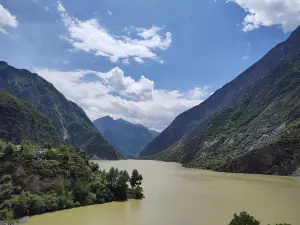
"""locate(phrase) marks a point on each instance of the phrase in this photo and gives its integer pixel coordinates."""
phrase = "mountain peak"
(3, 64)
(295, 35)
(107, 118)
(128, 138)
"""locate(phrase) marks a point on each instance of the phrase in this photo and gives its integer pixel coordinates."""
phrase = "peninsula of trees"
(36, 180)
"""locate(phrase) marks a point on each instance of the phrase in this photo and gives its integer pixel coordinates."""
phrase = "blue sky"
(144, 61)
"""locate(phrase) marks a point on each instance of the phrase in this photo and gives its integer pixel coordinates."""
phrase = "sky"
(143, 61)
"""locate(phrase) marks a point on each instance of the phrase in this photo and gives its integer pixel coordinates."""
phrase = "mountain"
(128, 138)
(68, 119)
(19, 120)
(245, 125)
(229, 95)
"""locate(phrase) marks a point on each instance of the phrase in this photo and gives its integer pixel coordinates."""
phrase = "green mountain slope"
(69, 120)
(20, 120)
(128, 138)
(258, 135)
(227, 96)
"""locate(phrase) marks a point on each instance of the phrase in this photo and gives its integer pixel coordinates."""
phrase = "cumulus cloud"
(283, 13)
(6, 19)
(90, 36)
(138, 60)
(120, 96)
(148, 33)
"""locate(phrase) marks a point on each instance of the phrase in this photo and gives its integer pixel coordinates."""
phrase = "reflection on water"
(181, 196)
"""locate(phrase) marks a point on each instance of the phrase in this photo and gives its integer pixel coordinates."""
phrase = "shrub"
(243, 219)
(138, 192)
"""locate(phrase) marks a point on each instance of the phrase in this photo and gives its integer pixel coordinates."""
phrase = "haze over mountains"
(69, 121)
(259, 108)
(128, 138)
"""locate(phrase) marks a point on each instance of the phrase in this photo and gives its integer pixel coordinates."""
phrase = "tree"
(2, 145)
(6, 187)
(138, 192)
(136, 178)
(27, 150)
(9, 149)
(94, 167)
(243, 219)
(64, 150)
(79, 193)
(50, 154)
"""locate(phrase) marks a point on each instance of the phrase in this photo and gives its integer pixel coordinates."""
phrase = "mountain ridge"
(67, 118)
(228, 95)
(128, 138)
(251, 135)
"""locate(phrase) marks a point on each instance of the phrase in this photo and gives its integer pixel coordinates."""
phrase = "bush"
(138, 192)
(9, 149)
(243, 219)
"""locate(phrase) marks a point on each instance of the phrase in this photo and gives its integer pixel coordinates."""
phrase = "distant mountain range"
(252, 124)
(128, 138)
(68, 120)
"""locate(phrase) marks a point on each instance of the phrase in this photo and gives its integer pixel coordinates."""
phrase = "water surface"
(179, 196)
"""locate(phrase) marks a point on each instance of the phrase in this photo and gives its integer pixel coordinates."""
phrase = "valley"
(150, 112)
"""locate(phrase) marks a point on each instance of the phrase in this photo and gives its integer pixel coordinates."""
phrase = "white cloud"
(148, 33)
(109, 12)
(283, 13)
(46, 8)
(126, 86)
(198, 93)
(245, 57)
(90, 36)
(61, 8)
(121, 96)
(6, 19)
(125, 61)
(138, 60)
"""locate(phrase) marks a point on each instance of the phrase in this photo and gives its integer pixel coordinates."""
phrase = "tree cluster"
(80, 183)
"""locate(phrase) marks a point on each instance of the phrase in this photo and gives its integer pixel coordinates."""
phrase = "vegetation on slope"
(263, 124)
(20, 120)
(227, 96)
(258, 135)
(67, 118)
(57, 179)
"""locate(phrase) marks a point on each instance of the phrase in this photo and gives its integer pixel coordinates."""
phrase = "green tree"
(6, 187)
(50, 154)
(80, 192)
(2, 145)
(243, 219)
(9, 149)
(138, 192)
(27, 150)
(94, 167)
(64, 150)
(136, 178)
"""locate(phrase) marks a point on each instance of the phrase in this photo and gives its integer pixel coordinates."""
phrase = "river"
(179, 196)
